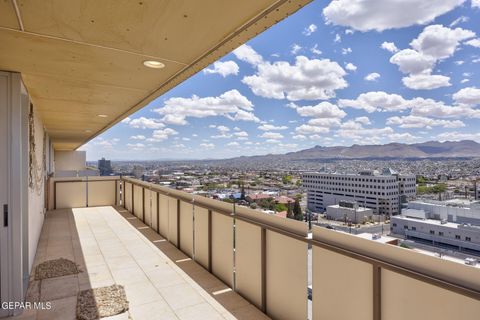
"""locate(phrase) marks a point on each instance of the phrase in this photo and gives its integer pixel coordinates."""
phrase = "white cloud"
(375, 101)
(474, 43)
(305, 80)
(136, 146)
(337, 39)
(223, 129)
(309, 30)
(223, 68)
(241, 134)
(361, 133)
(269, 127)
(458, 136)
(325, 122)
(233, 144)
(306, 129)
(464, 80)
(423, 122)
(322, 110)
(299, 137)
(363, 120)
(295, 49)
(460, 19)
(175, 119)
(231, 104)
(207, 146)
(438, 109)
(145, 123)
(126, 120)
(271, 135)
(138, 137)
(350, 66)
(440, 42)
(372, 76)
(379, 15)
(469, 96)
(162, 134)
(389, 46)
(346, 50)
(315, 50)
(412, 61)
(475, 3)
(459, 62)
(247, 54)
(426, 81)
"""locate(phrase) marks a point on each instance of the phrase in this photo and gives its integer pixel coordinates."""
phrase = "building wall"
(70, 160)
(380, 193)
(448, 233)
(36, 187)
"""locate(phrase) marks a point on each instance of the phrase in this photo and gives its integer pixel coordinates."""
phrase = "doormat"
(56, 268)
(101, 302)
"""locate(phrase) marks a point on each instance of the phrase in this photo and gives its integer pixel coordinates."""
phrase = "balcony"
(181, 256)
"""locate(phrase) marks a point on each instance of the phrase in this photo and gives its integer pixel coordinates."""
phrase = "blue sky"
(339, 73)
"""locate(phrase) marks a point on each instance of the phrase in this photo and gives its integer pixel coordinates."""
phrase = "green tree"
(421, 180)
(297, 210)
(290, 211)
(280, 207)
(287, 179)
(242, 191)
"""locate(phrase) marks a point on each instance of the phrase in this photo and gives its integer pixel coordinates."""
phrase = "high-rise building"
(105, 167)
(382, 192)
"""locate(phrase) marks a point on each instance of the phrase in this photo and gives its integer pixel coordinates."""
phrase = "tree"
(242, 191)
(287, 179)
(297, 210)
(290, 211)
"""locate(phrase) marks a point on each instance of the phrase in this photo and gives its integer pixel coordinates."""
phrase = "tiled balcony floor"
(114, 247)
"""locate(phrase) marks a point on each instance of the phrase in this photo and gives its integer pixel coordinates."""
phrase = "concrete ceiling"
(84, 58)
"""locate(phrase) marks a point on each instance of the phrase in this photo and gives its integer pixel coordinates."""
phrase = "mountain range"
(430, 149)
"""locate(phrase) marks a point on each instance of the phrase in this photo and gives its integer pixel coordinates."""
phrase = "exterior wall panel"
(71, 195)
(101, 193)
(222, 247)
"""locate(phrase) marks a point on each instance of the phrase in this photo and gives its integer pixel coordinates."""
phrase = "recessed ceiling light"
(102, 115)
(153, 64)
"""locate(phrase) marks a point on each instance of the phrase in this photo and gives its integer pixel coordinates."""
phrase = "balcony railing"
(264, 257)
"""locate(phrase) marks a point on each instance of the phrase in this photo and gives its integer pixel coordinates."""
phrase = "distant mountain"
(430, 149)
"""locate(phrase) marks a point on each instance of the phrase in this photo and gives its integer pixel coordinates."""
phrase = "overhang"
(83, 58)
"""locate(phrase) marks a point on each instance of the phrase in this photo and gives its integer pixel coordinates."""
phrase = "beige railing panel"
(286, 273)
(148, 207)
(154, 210)
(407, 298)
(70, 194)
(248, 261)
(138, 202)
(101, 193)
(201, 236)
(342, 287)
(173, 220)
(410, 259)
(222, 247)
(186, 228)
(127, 196)
(163, 214)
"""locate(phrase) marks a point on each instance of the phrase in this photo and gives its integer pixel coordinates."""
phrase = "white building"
(349, 211)
(456, 211)
(380, 192)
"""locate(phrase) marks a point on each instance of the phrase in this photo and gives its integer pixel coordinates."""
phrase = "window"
(394, 224)
(414, 228)
(440, 233)
(432, 232)
(405, 227)
(468, 239)
(457, 237)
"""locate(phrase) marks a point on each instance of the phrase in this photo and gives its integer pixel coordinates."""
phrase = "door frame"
(12, 236)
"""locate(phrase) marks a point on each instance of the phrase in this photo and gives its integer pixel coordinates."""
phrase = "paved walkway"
(113, 247)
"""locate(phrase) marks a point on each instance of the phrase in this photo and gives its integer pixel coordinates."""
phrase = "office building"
(383, 192)
(105, 167)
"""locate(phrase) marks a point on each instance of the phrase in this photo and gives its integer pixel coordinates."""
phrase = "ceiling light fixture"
(102, 115)
(153, 64)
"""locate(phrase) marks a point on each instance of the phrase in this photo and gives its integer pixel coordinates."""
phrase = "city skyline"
(317, 78)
